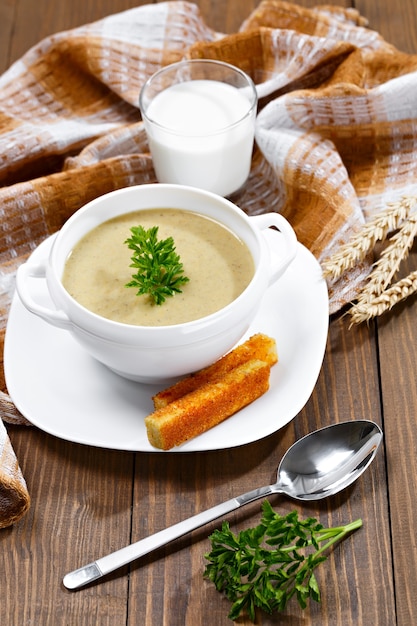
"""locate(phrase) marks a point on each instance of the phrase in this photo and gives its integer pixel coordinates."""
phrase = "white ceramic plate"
(65, 392)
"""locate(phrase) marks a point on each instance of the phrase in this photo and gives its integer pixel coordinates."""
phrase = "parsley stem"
(337, 533)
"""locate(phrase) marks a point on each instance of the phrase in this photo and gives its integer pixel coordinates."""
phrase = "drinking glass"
(199, 117)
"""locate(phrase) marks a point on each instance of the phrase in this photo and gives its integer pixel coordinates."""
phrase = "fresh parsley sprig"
(159, 269)
(267, 565)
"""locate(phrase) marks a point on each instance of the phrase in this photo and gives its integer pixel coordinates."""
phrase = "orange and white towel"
(14, 496)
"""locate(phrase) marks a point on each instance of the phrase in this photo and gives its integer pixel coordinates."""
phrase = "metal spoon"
(316, 466)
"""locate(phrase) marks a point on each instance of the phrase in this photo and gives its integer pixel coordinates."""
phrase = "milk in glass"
(201, 133)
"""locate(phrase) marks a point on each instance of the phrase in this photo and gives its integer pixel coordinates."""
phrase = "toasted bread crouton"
(207, 406)
(259, 346)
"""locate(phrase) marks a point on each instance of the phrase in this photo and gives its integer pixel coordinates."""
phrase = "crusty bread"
(259, 346)
(207, 406)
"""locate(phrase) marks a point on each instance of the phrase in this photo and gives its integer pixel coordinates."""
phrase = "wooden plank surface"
(397, 338)
(87, 502)
(397, 341)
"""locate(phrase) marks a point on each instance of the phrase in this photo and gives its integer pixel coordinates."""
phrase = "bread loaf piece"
(259, 346)
(207, 406)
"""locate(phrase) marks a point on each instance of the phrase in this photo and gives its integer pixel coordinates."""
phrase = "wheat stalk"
(366, 310)
(364, 241)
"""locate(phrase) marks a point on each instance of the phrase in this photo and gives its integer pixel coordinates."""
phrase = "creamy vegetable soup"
(218, 264)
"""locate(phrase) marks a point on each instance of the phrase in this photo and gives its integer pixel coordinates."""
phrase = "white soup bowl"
(154, 354)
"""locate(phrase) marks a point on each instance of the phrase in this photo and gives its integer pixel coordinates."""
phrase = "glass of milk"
(199, 117)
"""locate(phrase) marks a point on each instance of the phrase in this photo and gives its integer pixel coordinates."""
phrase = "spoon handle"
(106, 564)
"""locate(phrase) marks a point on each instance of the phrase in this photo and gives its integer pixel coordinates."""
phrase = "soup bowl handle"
(24, 274)
(280, 236)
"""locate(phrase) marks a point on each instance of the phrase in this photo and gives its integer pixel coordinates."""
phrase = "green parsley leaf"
(159, 269)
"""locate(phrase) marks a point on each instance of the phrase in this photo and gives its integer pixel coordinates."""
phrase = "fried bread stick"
(259, 346)
(207, 406)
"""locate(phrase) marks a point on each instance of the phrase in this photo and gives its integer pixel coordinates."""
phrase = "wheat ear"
(387, 265)
(365, 310)
(364, 241)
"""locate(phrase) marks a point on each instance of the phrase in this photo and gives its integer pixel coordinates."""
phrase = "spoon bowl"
(328, 460)
(315, 467)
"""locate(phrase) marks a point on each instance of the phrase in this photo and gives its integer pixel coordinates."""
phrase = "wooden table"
(88, 501)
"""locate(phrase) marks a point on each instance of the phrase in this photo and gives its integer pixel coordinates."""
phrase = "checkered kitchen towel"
(14, 496)
(336, 132)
